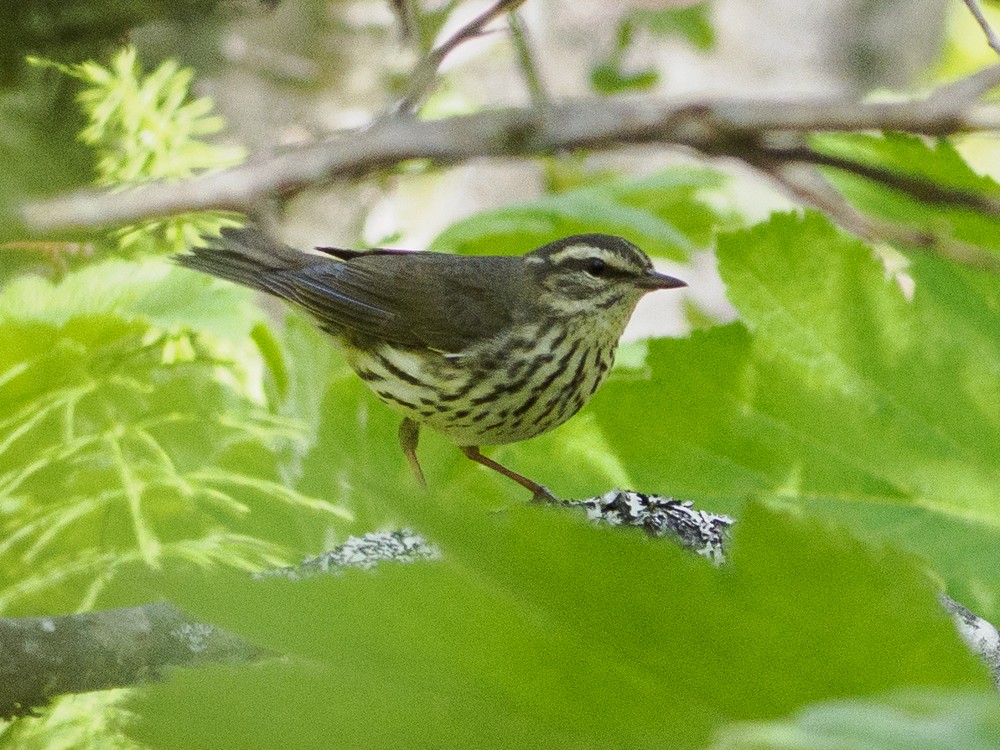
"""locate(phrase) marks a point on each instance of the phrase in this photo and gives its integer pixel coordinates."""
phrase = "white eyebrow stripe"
(582, 252)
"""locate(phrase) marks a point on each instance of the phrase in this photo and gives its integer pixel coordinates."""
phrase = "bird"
(484, 349)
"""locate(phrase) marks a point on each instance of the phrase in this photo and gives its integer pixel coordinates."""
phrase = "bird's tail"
(248, 257)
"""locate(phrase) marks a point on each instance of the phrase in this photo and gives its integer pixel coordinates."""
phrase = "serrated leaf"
(844, 396)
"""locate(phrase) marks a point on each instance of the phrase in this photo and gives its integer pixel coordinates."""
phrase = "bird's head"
(588, 273)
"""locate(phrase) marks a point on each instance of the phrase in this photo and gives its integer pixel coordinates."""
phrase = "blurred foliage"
(668, 214)
(135, 433)
(692, 24)
(902, 720)
(966, 49)
(40, 154)
(68, 30)
(91, 721)
(429, 21)
(612, 75)
(945, 213)
(144, 128)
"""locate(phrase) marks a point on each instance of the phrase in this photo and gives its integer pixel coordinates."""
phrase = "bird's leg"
(539, 494)
(409, 432)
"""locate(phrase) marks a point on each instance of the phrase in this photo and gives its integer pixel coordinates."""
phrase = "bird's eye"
(596, 267)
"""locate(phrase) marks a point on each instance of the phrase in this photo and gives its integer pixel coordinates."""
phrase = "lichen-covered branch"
(42, 657)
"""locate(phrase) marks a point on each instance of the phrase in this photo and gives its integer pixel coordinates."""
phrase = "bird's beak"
(653, 280)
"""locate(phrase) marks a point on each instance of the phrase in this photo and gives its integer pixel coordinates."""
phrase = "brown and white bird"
(486, 350)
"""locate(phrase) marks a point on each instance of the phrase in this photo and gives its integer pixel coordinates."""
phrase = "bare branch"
(991, 37)
(422, 78)
(713, 127)
(915, 186)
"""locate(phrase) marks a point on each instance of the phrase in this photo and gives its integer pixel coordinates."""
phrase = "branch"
(526, 61)
(980, 636)
(915, 186)
(811, 188)
(713, 127)
(991, 37)
(48, 656)
(422, 77)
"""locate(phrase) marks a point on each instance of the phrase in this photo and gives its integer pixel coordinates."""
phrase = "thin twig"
(991, 37)
(406, 14)
(811, 189)
(526, 61)
(422, 78)
(915, 186)
(963, 93)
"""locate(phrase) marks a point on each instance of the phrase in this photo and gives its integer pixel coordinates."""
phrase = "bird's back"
(436, 301)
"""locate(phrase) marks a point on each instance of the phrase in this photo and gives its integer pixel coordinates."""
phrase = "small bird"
(485, 349)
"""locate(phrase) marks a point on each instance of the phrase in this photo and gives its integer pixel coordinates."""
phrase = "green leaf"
(844, 396)
(667, 214)
(537, 630)
(144, 127)
(40, 156)
(908, 156)
(692, 24)
(154, 292)
(609, 78)
(135, 433)
(903, 720)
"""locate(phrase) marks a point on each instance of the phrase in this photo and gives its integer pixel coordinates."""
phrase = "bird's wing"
(413, 299)
(345, 254)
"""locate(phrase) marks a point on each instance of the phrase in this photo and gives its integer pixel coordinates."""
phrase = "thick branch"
(714, 127)
(42, 657)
